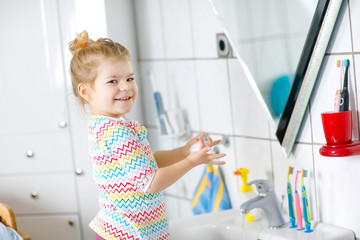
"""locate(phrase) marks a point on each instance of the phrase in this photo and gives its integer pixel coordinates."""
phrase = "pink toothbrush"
(297, 205)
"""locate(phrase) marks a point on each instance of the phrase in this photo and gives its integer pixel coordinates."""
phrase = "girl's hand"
(196, 139)
(203, 157)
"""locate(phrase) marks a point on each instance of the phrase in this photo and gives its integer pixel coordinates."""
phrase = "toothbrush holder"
(173, 124)
(337, 127)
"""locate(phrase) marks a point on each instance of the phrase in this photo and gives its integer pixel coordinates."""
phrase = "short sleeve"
(129, 162)
(145, 183)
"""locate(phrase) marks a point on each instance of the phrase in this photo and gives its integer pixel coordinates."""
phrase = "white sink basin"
(229, 224)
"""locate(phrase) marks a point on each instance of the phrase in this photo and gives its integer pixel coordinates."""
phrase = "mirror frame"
(306, 73)
(308, 67)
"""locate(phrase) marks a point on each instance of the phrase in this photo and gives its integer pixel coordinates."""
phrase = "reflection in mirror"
(276, 43)
(269, 37)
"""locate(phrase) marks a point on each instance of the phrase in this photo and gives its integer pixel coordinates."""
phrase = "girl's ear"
(84, 92)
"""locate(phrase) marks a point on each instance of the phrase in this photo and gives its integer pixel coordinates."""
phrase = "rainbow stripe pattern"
(123, 168)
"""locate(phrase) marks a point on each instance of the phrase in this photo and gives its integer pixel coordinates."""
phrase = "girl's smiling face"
(114, 90)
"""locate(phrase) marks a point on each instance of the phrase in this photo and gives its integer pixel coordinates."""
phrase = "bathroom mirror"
(280, 44)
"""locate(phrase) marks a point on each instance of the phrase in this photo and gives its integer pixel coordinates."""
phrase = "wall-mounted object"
(262, 43)
(29, 154)
(175, 124)
(223, 45)
(62, 124)
(172, 123)
(338, 134)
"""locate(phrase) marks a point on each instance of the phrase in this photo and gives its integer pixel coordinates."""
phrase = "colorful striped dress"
(123, 168)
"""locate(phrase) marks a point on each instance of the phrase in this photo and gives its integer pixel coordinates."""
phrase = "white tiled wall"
(177, 44)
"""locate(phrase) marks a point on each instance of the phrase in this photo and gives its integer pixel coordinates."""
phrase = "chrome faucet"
(266, 200)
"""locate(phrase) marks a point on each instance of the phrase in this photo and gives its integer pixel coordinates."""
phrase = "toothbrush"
(297, 205)
(344, 102)
(290, 199)
(338, 92)
(305, 203)
(165, 126)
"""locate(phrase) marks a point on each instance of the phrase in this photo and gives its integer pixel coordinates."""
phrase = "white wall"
(177, 44)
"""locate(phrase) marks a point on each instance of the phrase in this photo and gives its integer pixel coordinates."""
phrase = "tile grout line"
(313, 165)
(354, 69)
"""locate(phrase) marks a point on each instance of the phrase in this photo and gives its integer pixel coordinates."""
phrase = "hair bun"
(81, 41)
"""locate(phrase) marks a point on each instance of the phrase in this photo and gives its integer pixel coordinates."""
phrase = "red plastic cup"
(337, 127)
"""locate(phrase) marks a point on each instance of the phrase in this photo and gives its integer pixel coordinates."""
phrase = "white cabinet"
(43, 137)
(50, 227)
(32, 90)
(36, 153)
(37, 175)
(40, 193)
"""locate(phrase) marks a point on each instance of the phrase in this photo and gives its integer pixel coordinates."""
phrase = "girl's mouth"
(123, 99)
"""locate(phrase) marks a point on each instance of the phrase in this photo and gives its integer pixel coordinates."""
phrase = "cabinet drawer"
(32, 194)
(35, 153)
(50, 227)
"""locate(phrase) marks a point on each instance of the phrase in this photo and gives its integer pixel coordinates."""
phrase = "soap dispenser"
(249, 193)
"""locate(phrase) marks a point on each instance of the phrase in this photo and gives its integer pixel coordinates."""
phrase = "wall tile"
(323, 95)
(185, 208)
(356, 67)
(338, 198)
(157, 71)
(243, 100)
(205, 26)
(177, 29)
(304, 134)
(213, 96)
(254, 154)
(172, 207)
(280, 165)
(341, 37)
(150, 30)
(182, 89)
(355, 24)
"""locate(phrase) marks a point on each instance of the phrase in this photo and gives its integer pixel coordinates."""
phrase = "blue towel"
(211, 194)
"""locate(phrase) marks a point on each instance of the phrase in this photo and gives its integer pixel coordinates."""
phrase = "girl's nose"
(124, 86)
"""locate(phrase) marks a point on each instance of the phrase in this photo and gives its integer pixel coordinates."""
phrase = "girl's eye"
(113, 81)
(130, 79)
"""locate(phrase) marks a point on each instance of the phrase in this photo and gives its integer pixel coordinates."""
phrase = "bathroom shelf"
(345, 150)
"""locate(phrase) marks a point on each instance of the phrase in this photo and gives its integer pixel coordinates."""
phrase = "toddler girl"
(129, 176)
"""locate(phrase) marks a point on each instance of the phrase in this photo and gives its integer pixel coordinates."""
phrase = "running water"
(242, 226)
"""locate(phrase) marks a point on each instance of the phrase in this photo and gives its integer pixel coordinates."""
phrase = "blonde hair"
(87, 55)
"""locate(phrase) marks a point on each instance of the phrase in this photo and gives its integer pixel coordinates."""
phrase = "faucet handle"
(262, 186)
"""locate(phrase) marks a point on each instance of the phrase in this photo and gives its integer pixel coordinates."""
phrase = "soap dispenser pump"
(255, 214)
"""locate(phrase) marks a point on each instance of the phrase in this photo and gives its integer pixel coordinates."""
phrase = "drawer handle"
(30, 154)
(71, 223)
(34, 195)
(79, 171)
(62, 124)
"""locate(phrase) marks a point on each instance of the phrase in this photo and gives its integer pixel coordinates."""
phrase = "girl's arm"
(169, 157)
(166, 158)
(166, 176)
